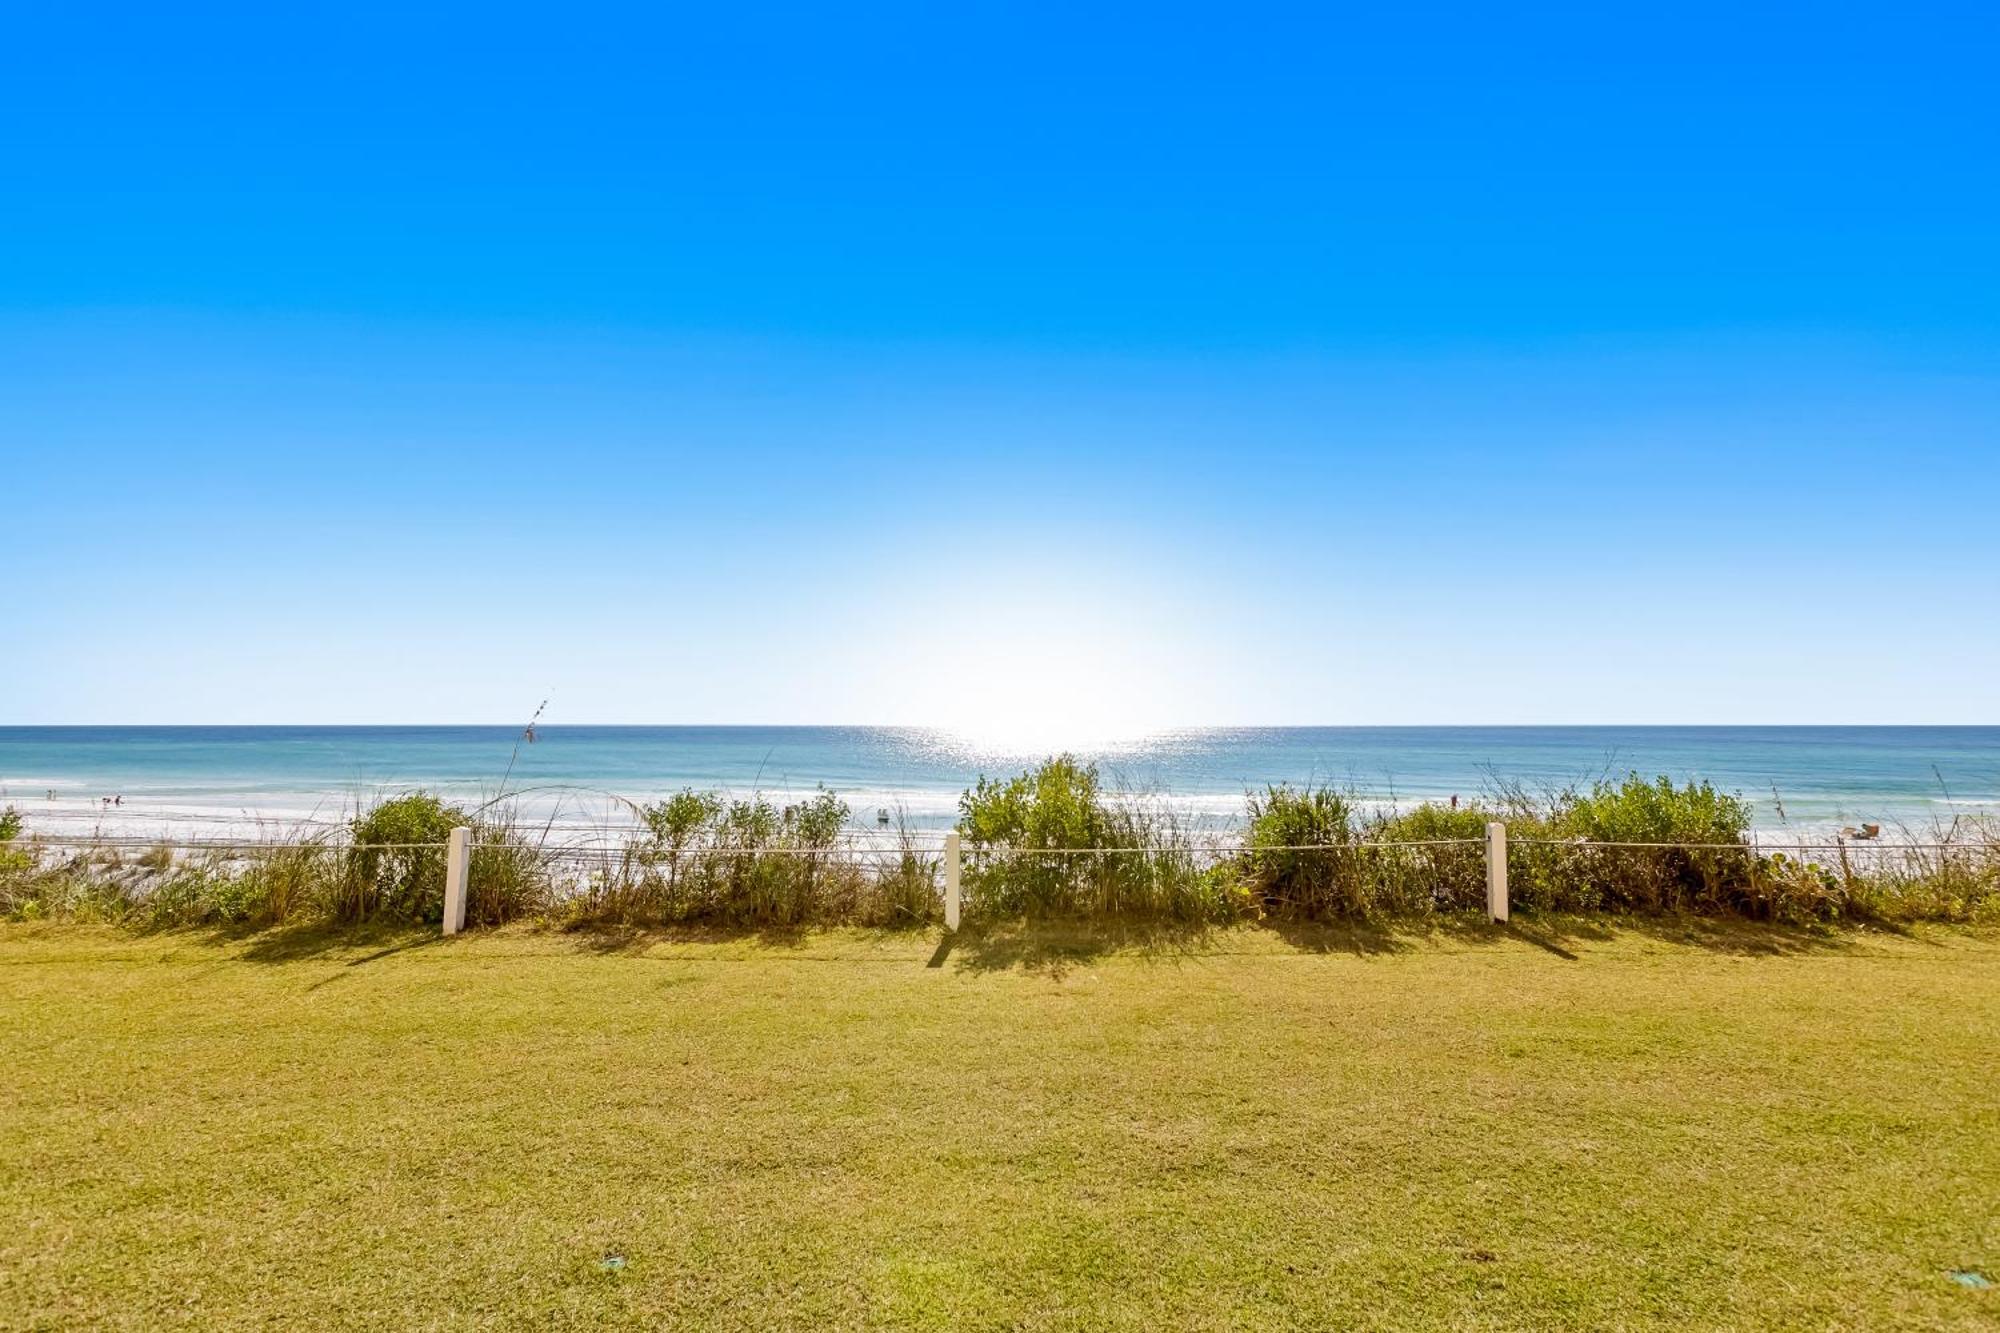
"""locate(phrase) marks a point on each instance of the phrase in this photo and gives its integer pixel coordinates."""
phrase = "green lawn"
(1562, 1126)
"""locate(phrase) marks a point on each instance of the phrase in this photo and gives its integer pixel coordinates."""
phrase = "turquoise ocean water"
(206, 778)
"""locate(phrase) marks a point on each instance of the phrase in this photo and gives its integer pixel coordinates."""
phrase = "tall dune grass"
(387, 864)
(703, 858)
(1055, 840)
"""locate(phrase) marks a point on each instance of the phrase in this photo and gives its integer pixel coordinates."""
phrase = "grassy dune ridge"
(1049, 843)
(1680, 1121)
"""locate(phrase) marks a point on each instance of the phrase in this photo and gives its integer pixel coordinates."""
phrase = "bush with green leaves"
(1428, 858)
(1050, 841)
(1660, 846)
(1299, 858)
(1661, 811)
(1034, 840)
(702, 857)
(1311, 854)
(397, 866)
(14, 864)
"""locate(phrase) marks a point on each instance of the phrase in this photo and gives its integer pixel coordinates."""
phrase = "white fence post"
(1496, 870)
(951, 880)
(457, 864)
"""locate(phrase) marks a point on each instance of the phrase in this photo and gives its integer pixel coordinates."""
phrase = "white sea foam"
(225, 784)
(592, 818)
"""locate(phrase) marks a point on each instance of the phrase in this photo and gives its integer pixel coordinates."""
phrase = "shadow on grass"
(1563, 935)
(292, 944)
(978, 946)
(1359, 936)
(1056, 947)
(634, 939)
(1541, 939)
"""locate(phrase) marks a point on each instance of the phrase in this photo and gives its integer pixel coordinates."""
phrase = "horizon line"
(938, 727)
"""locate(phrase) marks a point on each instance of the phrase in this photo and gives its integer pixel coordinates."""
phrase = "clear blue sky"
(996, 365)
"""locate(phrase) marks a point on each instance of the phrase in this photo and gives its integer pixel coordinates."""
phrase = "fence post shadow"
(1513, 930)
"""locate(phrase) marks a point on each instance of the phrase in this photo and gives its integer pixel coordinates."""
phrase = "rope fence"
(136, 843)
(1239, 847)
(1428, 874)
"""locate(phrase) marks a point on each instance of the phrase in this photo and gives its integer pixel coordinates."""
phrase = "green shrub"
(770, 867)
(1608, 849)
(1051, 842)
(1310, 854)
(1057, 804)
(1431, 822)
(1034, 841)
(398, 862)
(742, 862)
(16, 866)
(1300, 858)
(1428, 858)
(1710, 875)
(1779, 887)
(681, 819)
(1635, 810)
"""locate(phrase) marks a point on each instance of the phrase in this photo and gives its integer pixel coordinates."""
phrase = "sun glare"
(1036, 663)
(1037, 732)
(1045, 703)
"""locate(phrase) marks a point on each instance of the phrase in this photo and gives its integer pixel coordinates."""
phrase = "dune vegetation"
(1054, 842)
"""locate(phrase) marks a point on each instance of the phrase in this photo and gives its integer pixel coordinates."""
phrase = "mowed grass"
(1690, 1125)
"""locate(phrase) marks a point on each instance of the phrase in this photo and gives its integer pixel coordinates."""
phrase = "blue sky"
(1000, 367)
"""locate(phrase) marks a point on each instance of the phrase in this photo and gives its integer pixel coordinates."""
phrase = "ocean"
(239, 781)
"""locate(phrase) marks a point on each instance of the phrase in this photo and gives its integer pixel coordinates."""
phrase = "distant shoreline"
(236, 781)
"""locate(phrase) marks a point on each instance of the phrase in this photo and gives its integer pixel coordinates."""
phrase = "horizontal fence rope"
(174, 817)
(32, 840)
(695, 853)
(1852, 845)
(93, 808)
(1233, 847)
(852, 849)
